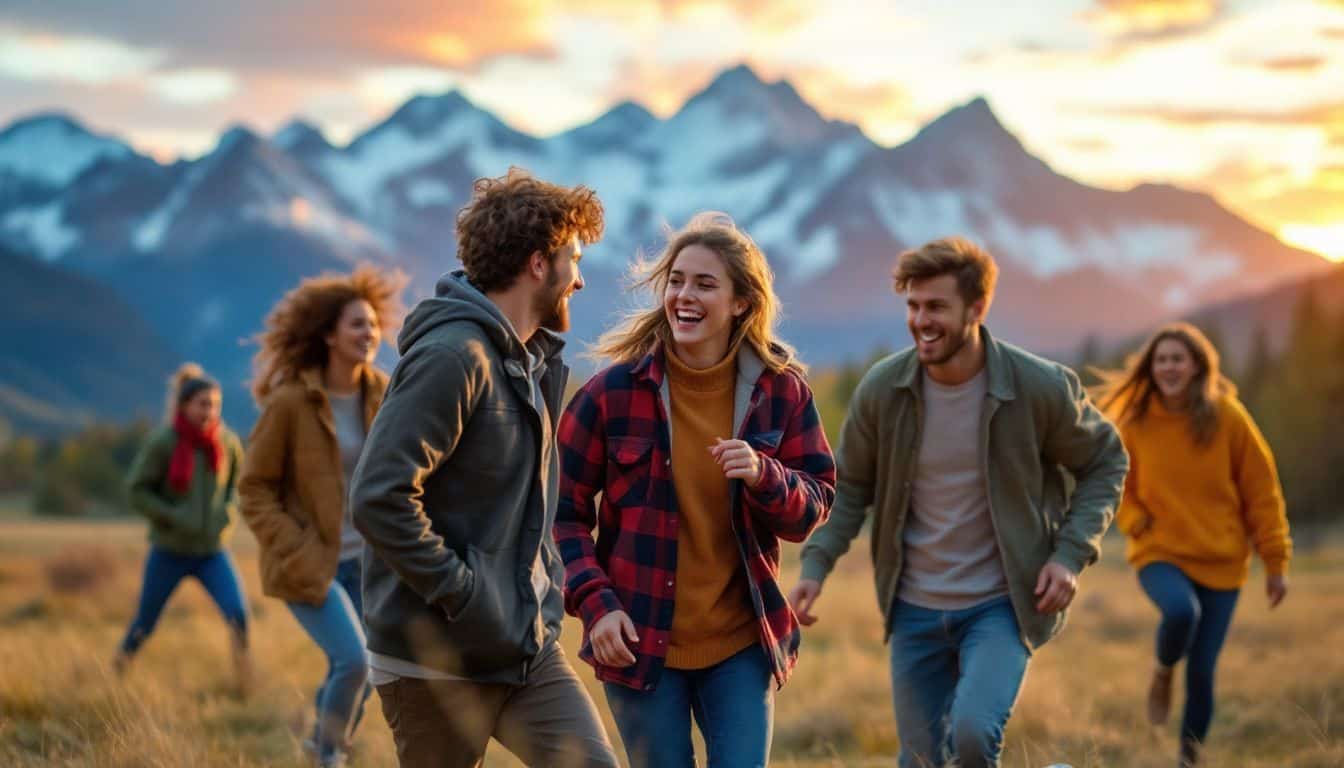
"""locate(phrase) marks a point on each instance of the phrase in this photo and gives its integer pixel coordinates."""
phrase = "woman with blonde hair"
(703, 439)
(185, 481)
(318, 392)
(1202, 492)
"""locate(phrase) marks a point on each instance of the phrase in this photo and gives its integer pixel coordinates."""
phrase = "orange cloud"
(1328, 115)
(345, 35)
(1135, 21)
(766, 15)
(838, 97)
(1087, 144)
(1304, 63)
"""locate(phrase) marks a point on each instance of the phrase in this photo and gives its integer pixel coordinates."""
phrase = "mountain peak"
(972, 120)
(630, 112)
(739, 93)
(45, 120)
(299, 134)
(53, 148)
(238, 136)
(736, 78)
(967, 147)
(424, 113)
(623, 122)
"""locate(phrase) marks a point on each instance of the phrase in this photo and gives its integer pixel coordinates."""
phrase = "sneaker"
(1189, 753)
(338, 759)
(1159, 695)
(120, 663)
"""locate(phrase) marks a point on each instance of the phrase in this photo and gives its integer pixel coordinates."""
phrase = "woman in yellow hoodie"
(1202, 491)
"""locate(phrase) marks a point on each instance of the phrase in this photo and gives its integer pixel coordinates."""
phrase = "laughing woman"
(707, 448)
(318, 392)
(185, 481)
(1202, 491)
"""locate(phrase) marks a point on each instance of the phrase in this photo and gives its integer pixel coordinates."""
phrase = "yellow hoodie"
(1202, 508)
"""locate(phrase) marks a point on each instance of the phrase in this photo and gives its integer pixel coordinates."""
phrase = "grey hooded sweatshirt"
(455, 493)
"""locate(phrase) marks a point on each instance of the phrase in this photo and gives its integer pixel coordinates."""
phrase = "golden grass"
(67, 591)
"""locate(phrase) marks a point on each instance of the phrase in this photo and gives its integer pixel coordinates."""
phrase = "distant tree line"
(74, 476)
(1295, 394)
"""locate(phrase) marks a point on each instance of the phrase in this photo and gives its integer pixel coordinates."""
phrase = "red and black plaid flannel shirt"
(614, 439)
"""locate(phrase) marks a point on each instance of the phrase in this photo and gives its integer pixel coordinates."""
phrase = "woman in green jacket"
(185, 481)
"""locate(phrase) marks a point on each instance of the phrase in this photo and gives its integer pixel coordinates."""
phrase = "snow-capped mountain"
(202, 247)
(47, 152)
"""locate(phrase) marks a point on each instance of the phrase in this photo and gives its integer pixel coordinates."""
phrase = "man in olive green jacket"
(965, 448)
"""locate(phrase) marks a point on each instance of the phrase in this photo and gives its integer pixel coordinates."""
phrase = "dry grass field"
(67, 591)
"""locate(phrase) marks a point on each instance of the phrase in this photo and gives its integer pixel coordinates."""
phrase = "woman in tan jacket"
(318, 392)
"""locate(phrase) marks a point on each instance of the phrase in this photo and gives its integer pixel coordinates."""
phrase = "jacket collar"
(1002, 386)
(372, 385)
(653, 366)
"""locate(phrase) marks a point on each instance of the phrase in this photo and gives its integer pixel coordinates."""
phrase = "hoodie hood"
(457, 300)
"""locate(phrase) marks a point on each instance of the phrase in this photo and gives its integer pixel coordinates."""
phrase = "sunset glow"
(1237, 99)
(1327, 240)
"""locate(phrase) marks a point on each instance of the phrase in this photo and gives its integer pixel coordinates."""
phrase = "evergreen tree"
(1257, 370)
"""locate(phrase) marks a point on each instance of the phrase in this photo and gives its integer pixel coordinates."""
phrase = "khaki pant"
(548, 722)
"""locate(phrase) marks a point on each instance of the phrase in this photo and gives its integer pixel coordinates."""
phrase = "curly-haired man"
(456, 494)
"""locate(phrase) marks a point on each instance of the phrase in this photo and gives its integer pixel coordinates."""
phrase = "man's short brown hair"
(973, 267)
(511, 217)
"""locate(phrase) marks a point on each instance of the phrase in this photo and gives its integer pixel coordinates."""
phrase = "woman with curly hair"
(318, 392)
(185, 481)
(1201, 493)
(707, 449)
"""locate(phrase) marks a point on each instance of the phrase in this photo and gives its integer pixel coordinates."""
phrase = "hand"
(1055, 587)
(219, 520)
(738, 460)
(801, 598)
(608, 639)
(1276, 588)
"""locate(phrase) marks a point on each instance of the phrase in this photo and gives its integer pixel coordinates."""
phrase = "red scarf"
(189, 438)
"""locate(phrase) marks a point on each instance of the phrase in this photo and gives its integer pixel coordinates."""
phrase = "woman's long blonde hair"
(752, 280)
(298, 325)
(1126, 394)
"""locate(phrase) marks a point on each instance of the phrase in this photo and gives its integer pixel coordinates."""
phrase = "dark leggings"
(164, 570)
(1194, 624)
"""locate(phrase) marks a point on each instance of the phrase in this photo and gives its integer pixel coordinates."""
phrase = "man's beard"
(955, 341)
(551, 304)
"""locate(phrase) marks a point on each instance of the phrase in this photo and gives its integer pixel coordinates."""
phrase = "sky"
(1242, 99)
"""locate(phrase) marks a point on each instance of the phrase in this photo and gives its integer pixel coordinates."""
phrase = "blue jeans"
(164, 570)
(337, 627)
(733, 703)
(955, 676)
(1194, 624)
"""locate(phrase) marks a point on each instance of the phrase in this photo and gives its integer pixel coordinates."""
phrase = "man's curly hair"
(511, 217)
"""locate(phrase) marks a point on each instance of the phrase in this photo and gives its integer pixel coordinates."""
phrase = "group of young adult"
(429, 531)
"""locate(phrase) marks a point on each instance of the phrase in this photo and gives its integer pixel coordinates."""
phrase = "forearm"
(832, 540)
(790, 502)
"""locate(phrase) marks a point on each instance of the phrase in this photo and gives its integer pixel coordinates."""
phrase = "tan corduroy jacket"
(292, 489)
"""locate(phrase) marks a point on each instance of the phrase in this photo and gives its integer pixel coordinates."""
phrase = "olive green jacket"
(1040, 436)
(194, 523)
